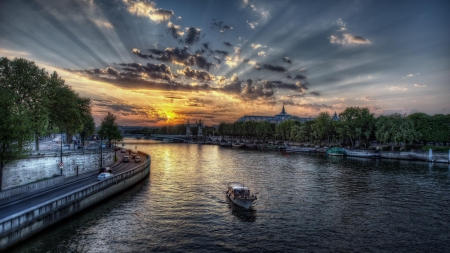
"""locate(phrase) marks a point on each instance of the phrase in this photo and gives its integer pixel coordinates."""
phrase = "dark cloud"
(206, 45)
(192, 36)
(222, 28)
(174, 30)
(234, 87)
(138, 53)
(271, 68)
(300, 77)
(315, 93)
(196, 74)
(298, 86)
(219, 61)
(182, 56)
(286, 59)
(158, 71)
(228, 44)
(260, 90)
(223, 53)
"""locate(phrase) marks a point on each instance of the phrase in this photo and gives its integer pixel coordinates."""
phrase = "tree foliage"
(356, 123)
(396, 128)
(109, 129)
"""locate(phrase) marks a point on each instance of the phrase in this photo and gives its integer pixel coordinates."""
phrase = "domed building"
(282, 116)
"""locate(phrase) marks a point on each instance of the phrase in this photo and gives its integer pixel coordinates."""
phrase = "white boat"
(240, 195)
(290, 149)
(237, 145)
(361, 153)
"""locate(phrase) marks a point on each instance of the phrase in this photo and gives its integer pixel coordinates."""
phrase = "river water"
(306, 203)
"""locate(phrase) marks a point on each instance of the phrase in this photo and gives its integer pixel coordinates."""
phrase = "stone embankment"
(25, 223)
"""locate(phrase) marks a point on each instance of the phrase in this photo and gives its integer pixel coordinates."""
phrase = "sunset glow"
(166, 62)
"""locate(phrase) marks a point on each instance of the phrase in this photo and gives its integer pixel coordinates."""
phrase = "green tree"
(30, 84)
(395, 128)
(283, 130)
(88, 129)
(109, 129)
(68, 111)
(322, 127)
(15, 134)
(356, 123)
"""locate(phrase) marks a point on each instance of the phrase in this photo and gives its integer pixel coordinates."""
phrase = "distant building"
(282, 116)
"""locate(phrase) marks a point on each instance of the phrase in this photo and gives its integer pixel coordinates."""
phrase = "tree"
(356, 123)
(322, 127)
(395, 128)
(88, 129)
(283, 130)
(30, 86)
(68, 111)
(109, 129)
(15, 134)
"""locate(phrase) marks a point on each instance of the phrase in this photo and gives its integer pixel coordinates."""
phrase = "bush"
(436, 148)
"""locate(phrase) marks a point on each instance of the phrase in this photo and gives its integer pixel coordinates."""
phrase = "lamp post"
(60, 162)
(101, 153)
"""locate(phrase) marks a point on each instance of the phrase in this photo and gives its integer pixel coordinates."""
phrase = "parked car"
(125, 159)
(105, 169)
(137, 159)
(104, 176)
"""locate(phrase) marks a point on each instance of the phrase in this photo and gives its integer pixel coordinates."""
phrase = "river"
(306, 203)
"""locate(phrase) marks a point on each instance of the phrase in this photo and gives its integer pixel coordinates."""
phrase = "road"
(24, 201)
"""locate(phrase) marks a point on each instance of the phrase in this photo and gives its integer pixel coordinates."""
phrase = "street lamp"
(101, 151)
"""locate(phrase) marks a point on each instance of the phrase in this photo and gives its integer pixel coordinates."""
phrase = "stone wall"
(43, 166)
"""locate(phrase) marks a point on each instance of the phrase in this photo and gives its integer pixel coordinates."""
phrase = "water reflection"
(310, 203)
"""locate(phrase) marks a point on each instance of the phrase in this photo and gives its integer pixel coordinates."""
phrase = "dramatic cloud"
(196, 74)
(142, 8)
(315, 93)
(298, 86)
(182, 56)
(138, 53)
(255, 46)
(271, 68)
(174, 30)
(263, 90)
(228, 44)
(192, 35)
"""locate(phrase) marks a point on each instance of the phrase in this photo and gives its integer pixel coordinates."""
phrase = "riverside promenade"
(26, 214)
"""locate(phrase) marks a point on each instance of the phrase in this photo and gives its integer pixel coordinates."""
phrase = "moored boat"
(335, 151)
(237, 145)
(290, 149)
(240, 195)
(361, 153)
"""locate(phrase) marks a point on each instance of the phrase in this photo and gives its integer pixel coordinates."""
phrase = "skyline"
(166, 62)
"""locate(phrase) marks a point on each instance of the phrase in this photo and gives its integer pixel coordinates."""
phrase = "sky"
(155, 63)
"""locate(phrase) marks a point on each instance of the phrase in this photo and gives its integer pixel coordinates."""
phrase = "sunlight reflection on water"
(305, 203)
